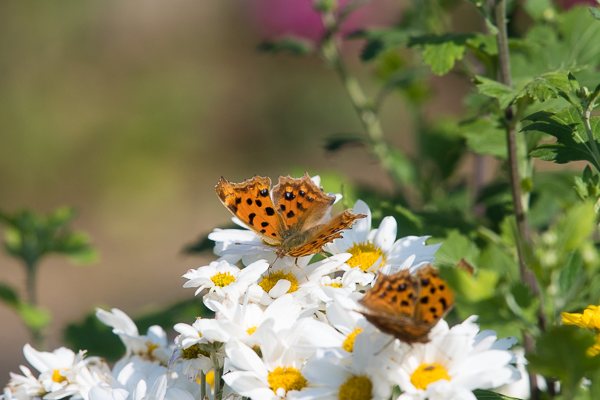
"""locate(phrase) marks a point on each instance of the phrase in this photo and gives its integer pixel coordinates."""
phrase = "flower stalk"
(364, 107)
(522, 234)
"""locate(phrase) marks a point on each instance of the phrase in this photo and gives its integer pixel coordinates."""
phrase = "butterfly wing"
(300, 202)
(393, 295)
(251, 202)
(394, 305)
(436, 299)
(315, 238)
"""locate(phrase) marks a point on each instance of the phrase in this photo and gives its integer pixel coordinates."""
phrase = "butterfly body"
(408, 306)
(288, 217)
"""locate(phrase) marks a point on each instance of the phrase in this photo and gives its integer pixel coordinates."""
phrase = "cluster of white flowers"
(283, 329)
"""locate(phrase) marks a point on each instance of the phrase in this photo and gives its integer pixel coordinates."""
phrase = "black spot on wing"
(269, 210)
(251, 217)
(444, 303)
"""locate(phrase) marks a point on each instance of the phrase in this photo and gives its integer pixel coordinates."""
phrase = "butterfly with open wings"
(289, 216)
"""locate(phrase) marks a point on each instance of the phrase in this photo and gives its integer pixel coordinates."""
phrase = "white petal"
(386, 234)
(244, 358)
(281, 287)
(248, 384)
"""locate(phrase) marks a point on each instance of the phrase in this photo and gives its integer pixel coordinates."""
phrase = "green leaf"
(290, 45)
(485, 136)
(379, 41)
(454, 248)
(9, 295)
(489, 395)
(491, 88)
(549, 85)
(441, 52)
(30, 236)
(441, 58)
(35, 318)
(474, 287)
(595, 11)
(561, 353)
(571, 142)
(337, 142)
(575, 227)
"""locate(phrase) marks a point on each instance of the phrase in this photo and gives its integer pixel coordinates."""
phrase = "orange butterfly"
(287, 217)
(408, 306)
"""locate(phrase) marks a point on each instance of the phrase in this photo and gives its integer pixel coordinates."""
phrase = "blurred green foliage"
(30, 237)
(550, 101)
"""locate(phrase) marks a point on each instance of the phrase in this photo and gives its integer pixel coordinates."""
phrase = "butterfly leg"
(273, 263)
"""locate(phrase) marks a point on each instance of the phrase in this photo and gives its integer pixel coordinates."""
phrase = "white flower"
(300, 282)
(139, 379)
(152, 346)
(224, 279)
(454, 363)
(365, 374)
(520, 388)
(277, 373)
(63, 373)
(23, 387)
(241, 321)
(377, 249)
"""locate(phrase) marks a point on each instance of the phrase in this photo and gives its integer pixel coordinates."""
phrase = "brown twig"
(523, 236)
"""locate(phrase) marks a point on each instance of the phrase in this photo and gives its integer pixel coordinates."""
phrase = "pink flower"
(277, 18)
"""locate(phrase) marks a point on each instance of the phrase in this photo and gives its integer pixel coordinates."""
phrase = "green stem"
(31, 272)
(215, 360)
(202, 385)
(31, 283)
(364, 108)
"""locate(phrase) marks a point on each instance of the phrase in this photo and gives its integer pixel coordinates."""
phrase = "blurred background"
(130, 111)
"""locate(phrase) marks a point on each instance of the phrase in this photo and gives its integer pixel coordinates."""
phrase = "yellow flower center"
(365, 255)
(426, 374)
(210, 378)
(151, 347)
(348, 344)
(334, 284)
(251, 330)
(357, 387)
(222, 279)
(57, 376)
(193, 352)
(269, 281)
(288, 378)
